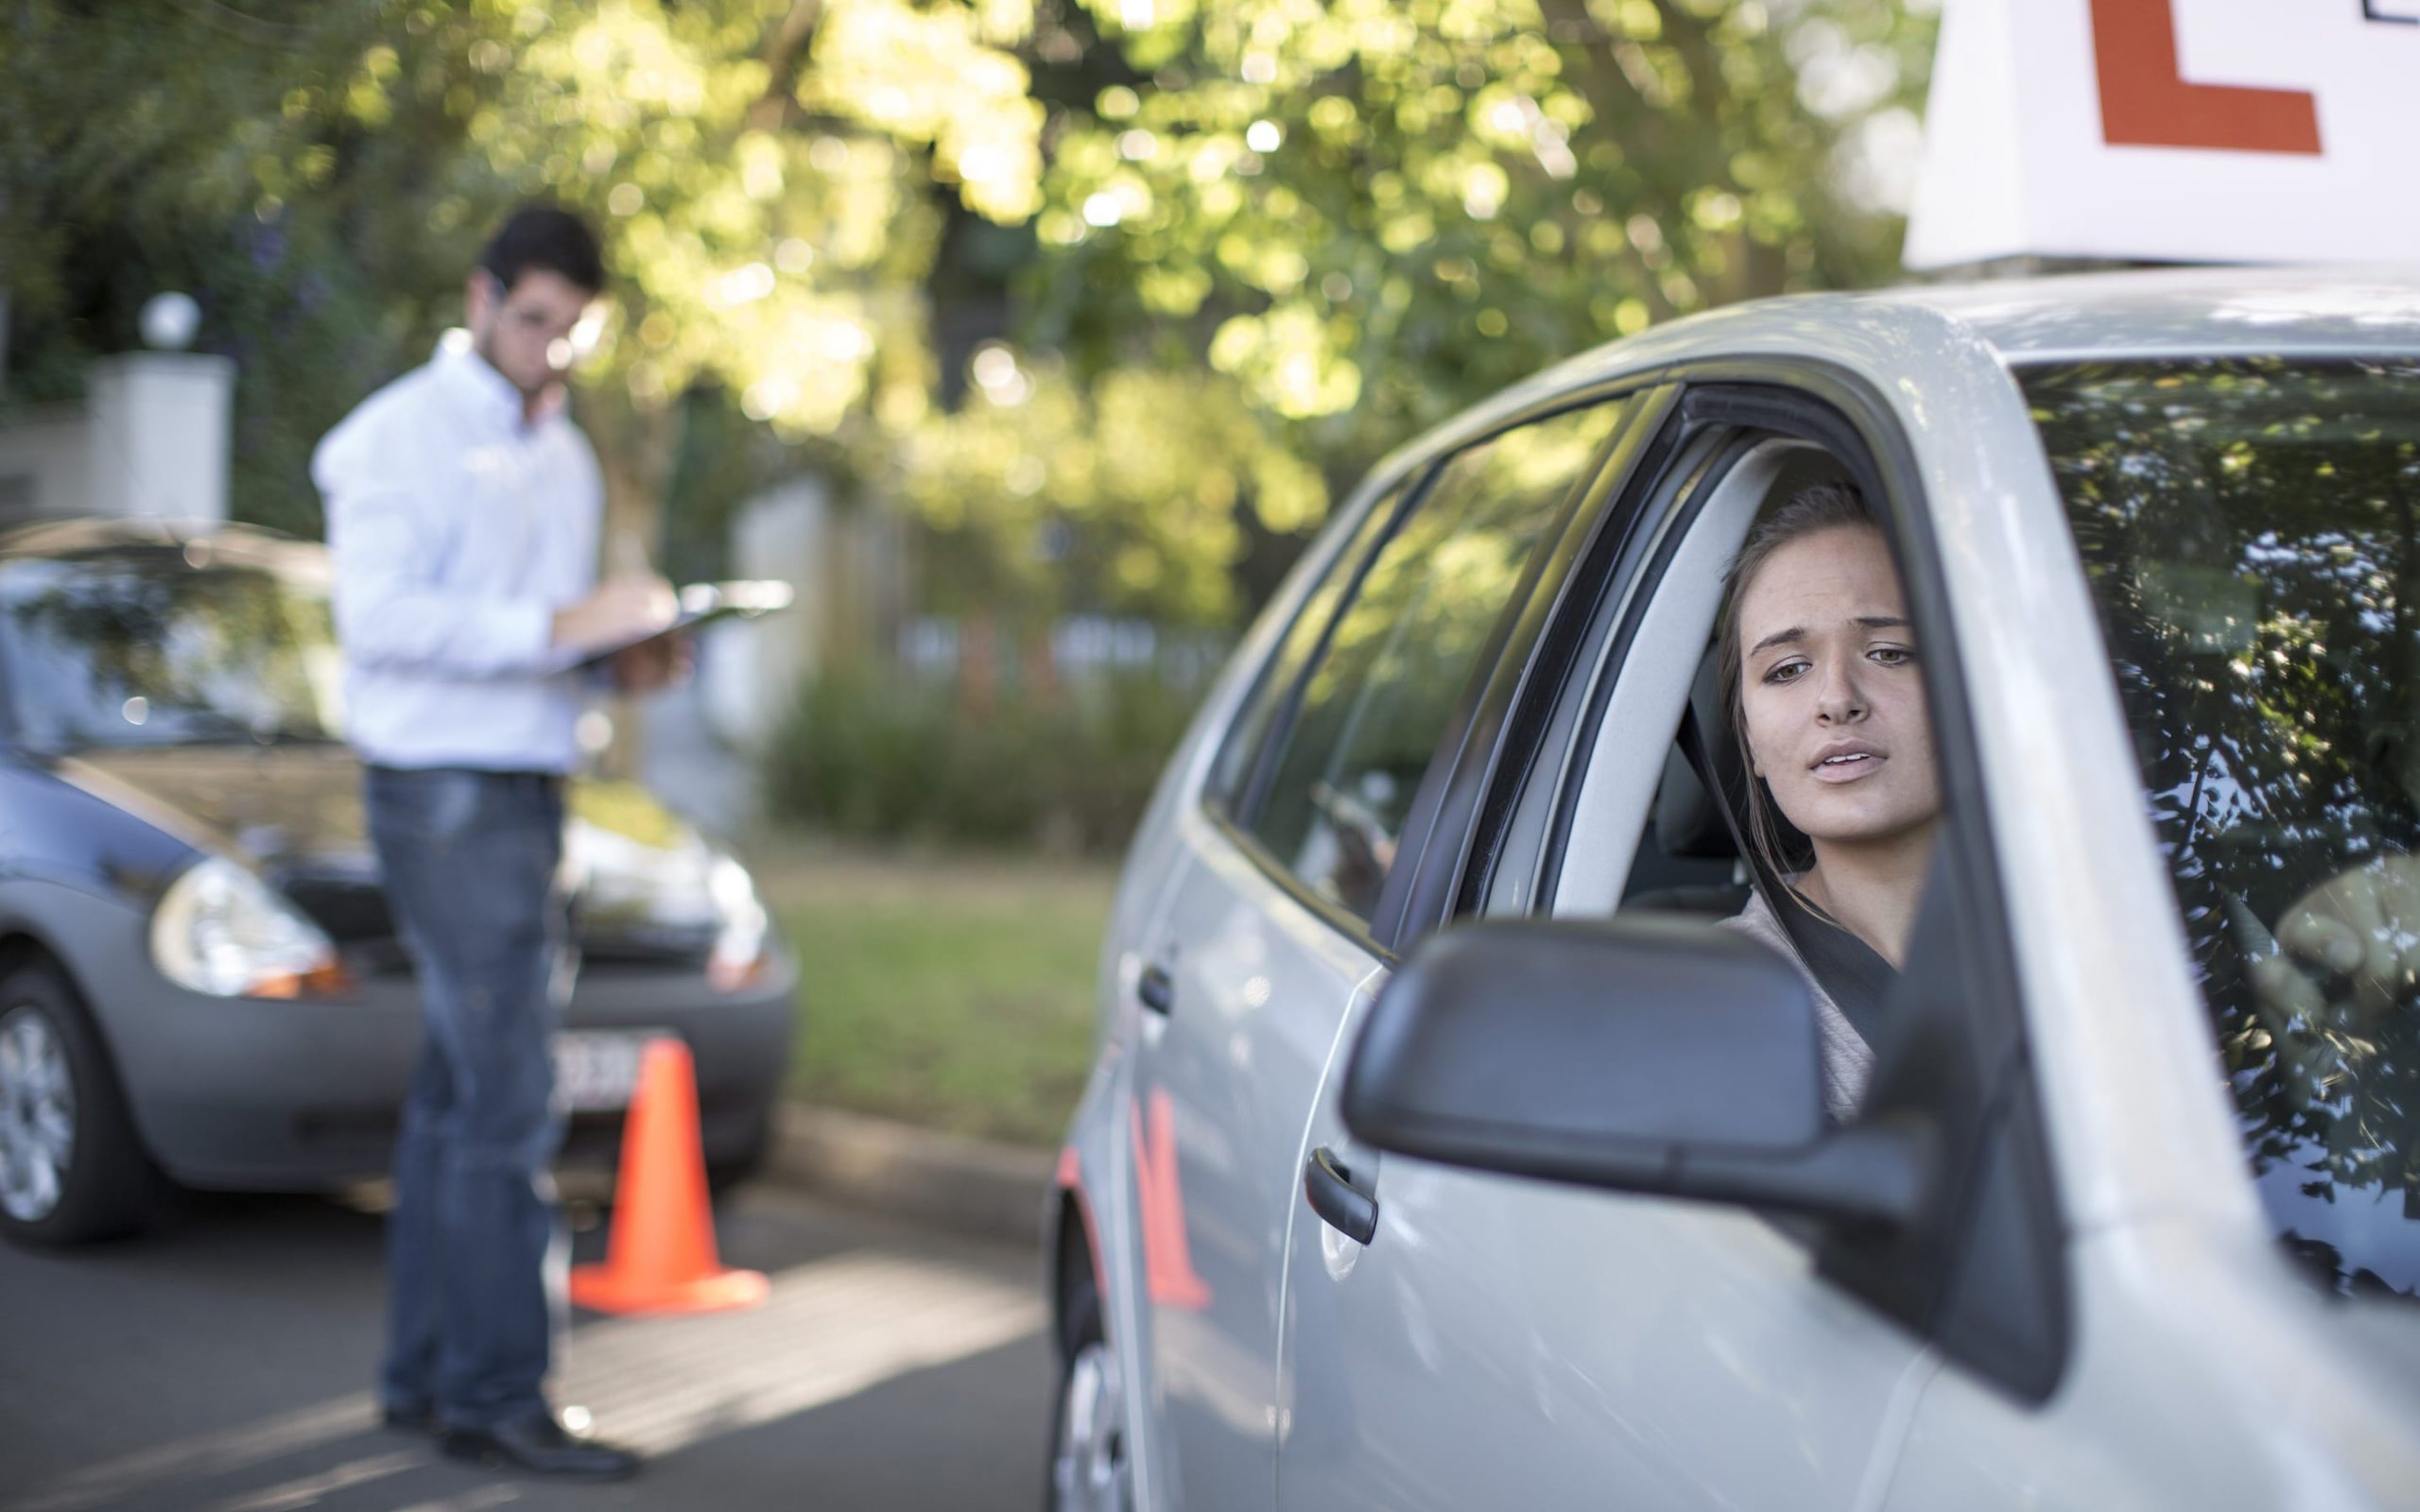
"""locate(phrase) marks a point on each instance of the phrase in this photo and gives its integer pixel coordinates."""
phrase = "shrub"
(893, 758)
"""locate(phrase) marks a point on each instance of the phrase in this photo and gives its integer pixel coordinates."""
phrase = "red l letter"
(2145, 102)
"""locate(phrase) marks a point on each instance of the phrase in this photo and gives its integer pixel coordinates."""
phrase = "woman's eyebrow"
(1798, 632)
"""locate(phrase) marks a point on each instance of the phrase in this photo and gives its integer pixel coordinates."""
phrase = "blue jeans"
(475, 1251)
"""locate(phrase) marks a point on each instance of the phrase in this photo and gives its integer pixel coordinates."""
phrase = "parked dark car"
(200, 979)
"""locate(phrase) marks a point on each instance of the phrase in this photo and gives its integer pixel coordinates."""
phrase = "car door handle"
(1157, 989)
(1347, 1209)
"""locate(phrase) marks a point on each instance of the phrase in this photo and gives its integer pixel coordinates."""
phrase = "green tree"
(321, 173)
(1338, 223)
(1248, 245)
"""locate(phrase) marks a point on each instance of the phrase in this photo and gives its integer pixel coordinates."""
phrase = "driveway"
(221, 1364)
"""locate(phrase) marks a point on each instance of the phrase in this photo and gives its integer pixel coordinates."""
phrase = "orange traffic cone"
(661, 1255)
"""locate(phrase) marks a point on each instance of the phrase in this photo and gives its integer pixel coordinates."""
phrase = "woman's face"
(1831, 692)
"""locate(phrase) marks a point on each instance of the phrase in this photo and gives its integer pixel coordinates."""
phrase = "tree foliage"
(321, 174)
(1251, 244)
(1344, 221)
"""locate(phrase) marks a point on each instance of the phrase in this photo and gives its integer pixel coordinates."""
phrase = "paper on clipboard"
(704, 604)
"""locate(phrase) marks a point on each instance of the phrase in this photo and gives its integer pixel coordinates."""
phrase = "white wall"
(158, 442)
(753, 671)
(151, 438)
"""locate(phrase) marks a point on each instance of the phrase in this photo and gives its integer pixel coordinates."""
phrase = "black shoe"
(407, 1420)
(540, 1445)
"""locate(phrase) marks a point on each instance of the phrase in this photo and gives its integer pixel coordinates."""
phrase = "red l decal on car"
(2146, 101)
(1167, 1259)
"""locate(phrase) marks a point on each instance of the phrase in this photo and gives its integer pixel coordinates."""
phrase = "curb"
(974, 1187)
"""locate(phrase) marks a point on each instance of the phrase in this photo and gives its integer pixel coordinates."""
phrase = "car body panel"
(1098, 1167)
(1261, 984)
(1510, 1344)
(2206, 1376)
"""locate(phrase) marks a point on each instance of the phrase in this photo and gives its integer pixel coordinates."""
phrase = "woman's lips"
(1849, 768)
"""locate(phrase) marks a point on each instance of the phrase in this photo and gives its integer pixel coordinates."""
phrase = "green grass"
(950, 991)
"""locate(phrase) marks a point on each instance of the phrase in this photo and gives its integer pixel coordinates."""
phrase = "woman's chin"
(1836, 817)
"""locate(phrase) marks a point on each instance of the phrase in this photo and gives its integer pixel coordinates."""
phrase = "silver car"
(1444, 1151)
(200, 979)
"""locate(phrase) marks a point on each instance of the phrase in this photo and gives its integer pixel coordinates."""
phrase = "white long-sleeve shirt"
(458, 527)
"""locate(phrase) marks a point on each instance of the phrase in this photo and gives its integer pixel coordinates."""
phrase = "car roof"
(1898, 334)
(2180, 311)
(200, 544)
(2082, 316)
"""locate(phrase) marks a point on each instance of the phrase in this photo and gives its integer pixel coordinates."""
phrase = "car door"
(1265, 935)
(1505, 1342)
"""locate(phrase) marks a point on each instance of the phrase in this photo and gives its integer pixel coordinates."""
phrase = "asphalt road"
(221, 1365)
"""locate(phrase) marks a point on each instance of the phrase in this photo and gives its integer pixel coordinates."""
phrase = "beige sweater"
(1848, 1061)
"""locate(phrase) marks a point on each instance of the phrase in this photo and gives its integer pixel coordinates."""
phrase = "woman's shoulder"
(1757, 918)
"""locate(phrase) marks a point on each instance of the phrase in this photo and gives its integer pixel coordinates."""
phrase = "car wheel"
(70, 1168)
(1090, 1470)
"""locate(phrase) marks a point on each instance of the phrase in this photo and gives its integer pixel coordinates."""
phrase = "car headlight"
(221, 930)
(740, 927)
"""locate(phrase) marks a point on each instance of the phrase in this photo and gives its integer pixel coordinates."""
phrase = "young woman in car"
(1826, 697)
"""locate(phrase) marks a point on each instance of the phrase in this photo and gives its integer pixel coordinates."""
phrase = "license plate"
(596, 1069)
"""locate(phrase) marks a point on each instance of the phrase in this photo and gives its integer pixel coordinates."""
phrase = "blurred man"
(463, 511)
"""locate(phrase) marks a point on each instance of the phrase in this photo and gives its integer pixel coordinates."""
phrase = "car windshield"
(2250, 532)
(148, 651)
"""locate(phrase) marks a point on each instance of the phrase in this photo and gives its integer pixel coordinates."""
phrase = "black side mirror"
(1645, 1055)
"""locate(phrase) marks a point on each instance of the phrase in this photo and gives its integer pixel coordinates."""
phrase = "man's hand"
(621, 609)
(651, 664)
(2363, 924)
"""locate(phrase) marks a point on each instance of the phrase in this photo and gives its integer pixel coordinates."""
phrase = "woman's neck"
(1872, 886)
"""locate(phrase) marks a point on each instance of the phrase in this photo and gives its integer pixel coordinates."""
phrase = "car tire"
(71, 1168)
(1091, 1468)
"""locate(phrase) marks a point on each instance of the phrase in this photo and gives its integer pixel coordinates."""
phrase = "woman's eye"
(1786, 672)
(1892, 656)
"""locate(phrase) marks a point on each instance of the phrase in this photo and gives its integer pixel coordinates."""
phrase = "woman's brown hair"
(1811, 512)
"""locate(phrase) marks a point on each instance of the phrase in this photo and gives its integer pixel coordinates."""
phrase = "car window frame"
(1722, 402)
(1415, 476)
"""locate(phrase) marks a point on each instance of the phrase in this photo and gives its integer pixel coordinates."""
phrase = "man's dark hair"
(541, 238)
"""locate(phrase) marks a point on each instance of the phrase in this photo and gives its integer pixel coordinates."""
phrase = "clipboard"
(704, 604)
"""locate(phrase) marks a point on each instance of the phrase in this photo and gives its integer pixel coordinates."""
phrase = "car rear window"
(2250, 533)
(1375, 704)
(145, 649)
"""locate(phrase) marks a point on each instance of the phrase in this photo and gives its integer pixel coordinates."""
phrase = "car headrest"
(1687, 822)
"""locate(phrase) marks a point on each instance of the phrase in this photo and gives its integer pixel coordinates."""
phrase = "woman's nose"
(1840, 700)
